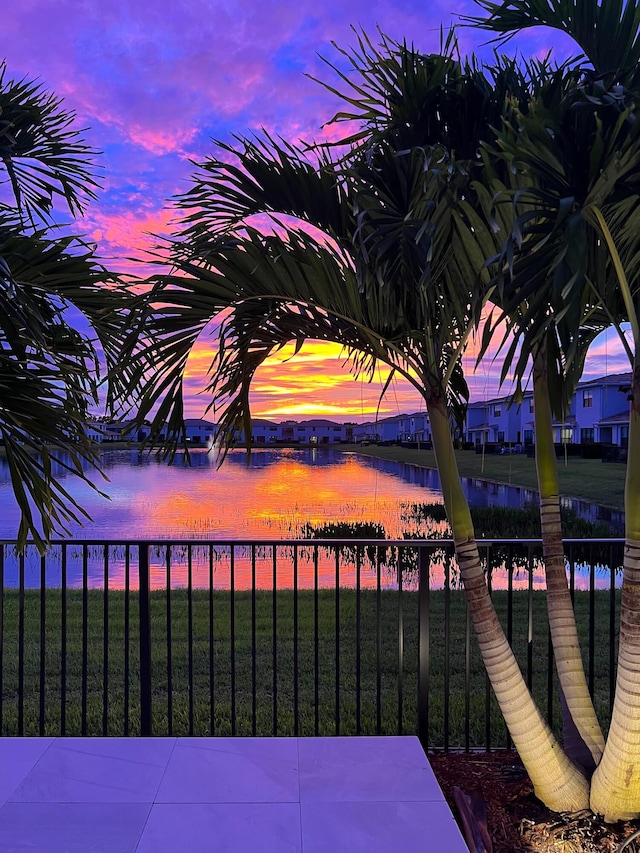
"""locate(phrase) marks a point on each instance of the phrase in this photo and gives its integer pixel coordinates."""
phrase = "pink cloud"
(153, 83)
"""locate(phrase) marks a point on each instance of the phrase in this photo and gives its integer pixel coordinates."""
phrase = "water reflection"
(281, 492)
(299, 565)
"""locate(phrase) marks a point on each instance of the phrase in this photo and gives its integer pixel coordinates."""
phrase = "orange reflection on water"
(275, 499)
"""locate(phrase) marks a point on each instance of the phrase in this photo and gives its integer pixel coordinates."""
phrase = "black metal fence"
(283, 637)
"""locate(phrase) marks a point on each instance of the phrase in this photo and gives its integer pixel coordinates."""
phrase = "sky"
(154, 83)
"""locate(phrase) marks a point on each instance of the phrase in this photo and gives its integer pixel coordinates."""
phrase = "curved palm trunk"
(556, 781)
(562, 622)
(615, 791)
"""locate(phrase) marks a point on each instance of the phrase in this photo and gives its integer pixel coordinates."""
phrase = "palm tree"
(50, 372)
(397, 275)
(584, 170)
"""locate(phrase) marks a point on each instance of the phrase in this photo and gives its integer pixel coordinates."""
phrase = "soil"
(516, 820)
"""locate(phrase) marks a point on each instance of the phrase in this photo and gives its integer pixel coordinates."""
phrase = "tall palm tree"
(50, 368)
(472, 113)
(398, 276)
(585, 174)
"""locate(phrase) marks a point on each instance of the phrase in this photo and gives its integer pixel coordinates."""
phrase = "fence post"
(423, 646)
(145, 639)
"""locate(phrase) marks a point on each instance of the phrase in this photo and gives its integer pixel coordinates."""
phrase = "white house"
(200, 432)
(264, 431)
(599, 412)
(319, 431)
(495, 421)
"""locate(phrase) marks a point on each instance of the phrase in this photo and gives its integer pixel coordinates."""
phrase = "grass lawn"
(588, 479)
(360, 683)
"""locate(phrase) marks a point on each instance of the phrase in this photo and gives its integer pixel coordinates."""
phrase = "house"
(495, 421)
(109, 431)
(264, 431)
(319, 431)
(200, 432)
(601, 409)
(599, 412)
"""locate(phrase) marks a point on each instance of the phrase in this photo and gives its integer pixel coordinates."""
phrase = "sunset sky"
(153, 83)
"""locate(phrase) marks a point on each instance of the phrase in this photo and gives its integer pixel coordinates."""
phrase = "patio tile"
(222, 828)
(372, 827)
(97, 770)
(232, 770)
(72, 827)
(365, 768)
(18, 755)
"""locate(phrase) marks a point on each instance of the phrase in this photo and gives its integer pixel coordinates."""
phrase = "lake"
(274, 498)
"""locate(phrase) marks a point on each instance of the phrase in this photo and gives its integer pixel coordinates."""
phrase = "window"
(587, 399)
(566, 435)
(497, 411)
(528, 437)
(500, 438)
(587, 435)
(531, 406)
(624, 436)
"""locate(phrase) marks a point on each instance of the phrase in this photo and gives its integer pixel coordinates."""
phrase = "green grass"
(587, 479)
(275, 701)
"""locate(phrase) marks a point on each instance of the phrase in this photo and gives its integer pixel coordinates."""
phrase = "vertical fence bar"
(190, 636)
(1, 638)
(254, 708)
(401, 556)
(530, 620)
(63, 642)
(358, 644)
(212, 724)
(169, 646)
(612, 629)
(592, 638)
(510, 570)
(105, 646)
(85, 637)
(447, 648)
(467, 680)
(232, 625)
(43, 640)
(572, 578)
(549, 679)
(296, 661)
(144, 600)
(21, 648)
(423, 646)
(337, 650)
(378, 644)
(274, 636)
(316, 654)
(487, 684)
(127, 634)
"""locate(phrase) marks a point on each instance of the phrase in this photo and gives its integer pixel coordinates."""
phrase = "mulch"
(516, 820)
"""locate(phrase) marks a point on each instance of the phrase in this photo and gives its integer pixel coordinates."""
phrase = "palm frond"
(607, 33)
(44, 155)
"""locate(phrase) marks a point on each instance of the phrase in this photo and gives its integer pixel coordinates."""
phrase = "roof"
(198, 422)
(621, 417)
(611, 379)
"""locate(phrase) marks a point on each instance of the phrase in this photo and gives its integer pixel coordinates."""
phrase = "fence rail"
(286, 637)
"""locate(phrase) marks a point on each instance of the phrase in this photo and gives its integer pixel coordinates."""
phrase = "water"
(274, 498)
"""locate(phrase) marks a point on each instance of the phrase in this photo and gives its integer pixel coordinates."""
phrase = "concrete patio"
(222, 795)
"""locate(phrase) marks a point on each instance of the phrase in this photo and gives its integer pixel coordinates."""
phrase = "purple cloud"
(153, 83)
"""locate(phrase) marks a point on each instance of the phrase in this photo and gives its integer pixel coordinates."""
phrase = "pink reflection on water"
(300, 565)
(281, 493)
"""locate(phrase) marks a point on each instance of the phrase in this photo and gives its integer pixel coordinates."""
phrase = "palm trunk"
(556, 781)
(615, 791)
(562, 622)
